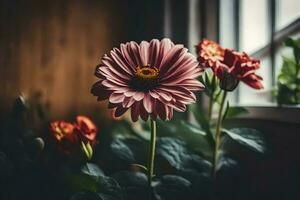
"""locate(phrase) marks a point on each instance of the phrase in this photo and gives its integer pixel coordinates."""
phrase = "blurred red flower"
(62, 130)
(69, 137)
(85, 129)
(210, 53)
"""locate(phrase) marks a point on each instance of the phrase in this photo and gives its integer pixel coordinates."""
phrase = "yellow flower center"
(145, 78)
(146, 72)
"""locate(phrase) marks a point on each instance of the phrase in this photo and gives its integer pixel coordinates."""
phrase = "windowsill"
(284, 113)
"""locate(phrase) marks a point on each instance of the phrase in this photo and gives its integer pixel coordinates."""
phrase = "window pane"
(194, 25)
(287, 12)
(227, 23)
(254, 24)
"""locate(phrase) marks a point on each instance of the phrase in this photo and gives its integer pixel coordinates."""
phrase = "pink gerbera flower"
(152, 78)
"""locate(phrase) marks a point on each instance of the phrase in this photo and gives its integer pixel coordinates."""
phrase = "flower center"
(146, 72)
(214, 52)
(145, 78)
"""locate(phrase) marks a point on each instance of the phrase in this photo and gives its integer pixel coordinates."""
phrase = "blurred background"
(49, 48)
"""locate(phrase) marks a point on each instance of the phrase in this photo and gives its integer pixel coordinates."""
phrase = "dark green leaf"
(191, 128)
(172, 187)
(173, 155)
(200, 117)
(207, 80)
(92, 170)
(250, 138)
(86, 196)
(294, 43)
(214, 83)
(83, 182)
(100, 184)
(289, 42)
(135, 184)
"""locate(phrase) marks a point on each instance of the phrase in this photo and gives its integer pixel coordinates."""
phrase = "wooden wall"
(51, 47)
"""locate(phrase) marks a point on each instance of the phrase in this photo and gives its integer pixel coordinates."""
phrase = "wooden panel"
(51, 47)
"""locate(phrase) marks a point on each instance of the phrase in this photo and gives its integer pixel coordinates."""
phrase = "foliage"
(288, 87)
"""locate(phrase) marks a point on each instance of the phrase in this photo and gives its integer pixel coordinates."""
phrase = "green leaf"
(236, 111)
(192, 128)
(207, 80)
(294, 43)
(104, 185)
(248, 137)
(84, 182)
(194, 136)
(92, 170)
(289, 68)
(214, 83)
(199, 114)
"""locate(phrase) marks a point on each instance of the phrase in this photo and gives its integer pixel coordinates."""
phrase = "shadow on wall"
(51, 48)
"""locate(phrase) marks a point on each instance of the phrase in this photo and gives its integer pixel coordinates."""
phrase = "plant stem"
(218, 135)
(151, 151)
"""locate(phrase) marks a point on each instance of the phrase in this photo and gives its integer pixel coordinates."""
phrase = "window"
(287, 12)
(259, 27)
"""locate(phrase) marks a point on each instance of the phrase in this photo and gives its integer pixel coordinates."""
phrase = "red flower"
(62, 129)
(85, 128)
(210, 53)
(242, 67)
(229, 66)
(63, 133)
(69, 137)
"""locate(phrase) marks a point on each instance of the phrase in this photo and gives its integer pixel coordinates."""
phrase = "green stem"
(218, 135)
(151, 152)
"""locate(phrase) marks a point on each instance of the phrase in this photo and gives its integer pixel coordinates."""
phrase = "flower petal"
(128, 101)
(144, 49)
(116, 97)
(100, 91)
(147, 103)
(120, 111)
(135, 111)
(138, 96)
